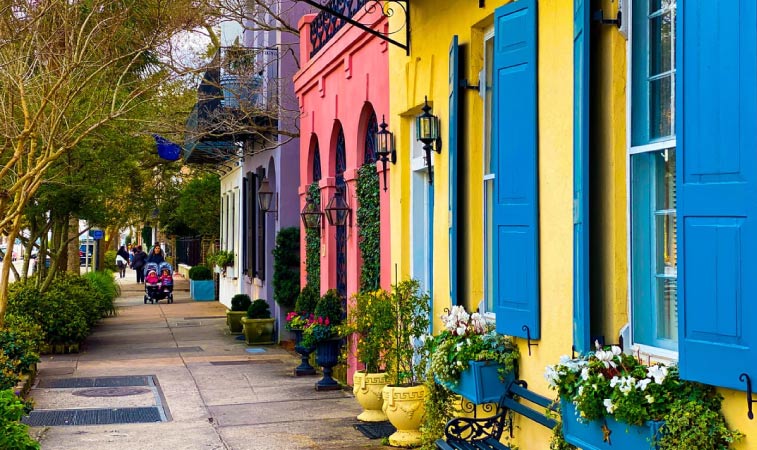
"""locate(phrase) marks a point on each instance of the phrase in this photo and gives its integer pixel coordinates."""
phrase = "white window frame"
(644, 351)
(487, 178)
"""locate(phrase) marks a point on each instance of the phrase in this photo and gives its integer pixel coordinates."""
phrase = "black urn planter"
(327, 356)
(304, 368)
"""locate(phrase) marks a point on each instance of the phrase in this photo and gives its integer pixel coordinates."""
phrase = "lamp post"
(385, 147)
(266, 196)
(338, 211)
(427, 131)
(311, 214)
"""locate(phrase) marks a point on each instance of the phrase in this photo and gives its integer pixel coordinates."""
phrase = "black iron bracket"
(599, 17)
(749, 397)
(370, 5)
(528, 338)
(465, 84)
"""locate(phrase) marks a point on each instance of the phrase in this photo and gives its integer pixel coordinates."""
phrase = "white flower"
(606, 357)
(609, 406)
(585, 373)
(614, 381)
(580, 390)
(658, 372)
(642, 384)
(650, 399)
(616, 350)
(627, 385)
(551, 375)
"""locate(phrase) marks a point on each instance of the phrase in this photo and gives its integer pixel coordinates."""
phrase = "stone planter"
(258, 331)
(202, 290)
(304, 368)
(404, 406)
(591, 436)
(367, 388)
(327, 356)
(234, 321)
(480, 382)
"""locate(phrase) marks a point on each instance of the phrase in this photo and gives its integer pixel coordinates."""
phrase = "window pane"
(667, 312)
(660, 111)
(489, 243)
(489, 62)
(660, 44)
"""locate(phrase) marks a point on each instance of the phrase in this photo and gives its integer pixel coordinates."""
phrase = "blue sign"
(97, 234)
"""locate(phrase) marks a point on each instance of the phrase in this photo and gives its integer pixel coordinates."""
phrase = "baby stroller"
(158, 282)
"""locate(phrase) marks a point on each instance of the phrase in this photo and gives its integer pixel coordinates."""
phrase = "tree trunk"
(7, 262)
(73, 262)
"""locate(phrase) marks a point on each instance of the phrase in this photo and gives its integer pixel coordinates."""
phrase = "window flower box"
(480, 382)
(607, 434)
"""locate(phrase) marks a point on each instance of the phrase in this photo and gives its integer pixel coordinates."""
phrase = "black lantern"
(338, 211)
(427, 131)
(266, 196)
(385, 147)
(311, 213)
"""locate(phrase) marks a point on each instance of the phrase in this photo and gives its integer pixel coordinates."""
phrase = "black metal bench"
(463, 433)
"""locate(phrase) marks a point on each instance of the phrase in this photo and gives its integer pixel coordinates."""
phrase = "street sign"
(97, 234)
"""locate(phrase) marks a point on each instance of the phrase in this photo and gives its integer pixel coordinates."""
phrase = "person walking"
(139, 263)
(156, 255)
(122, 260)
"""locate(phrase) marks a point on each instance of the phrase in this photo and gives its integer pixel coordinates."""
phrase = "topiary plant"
(259, 310)
(286, 267)
(330, 306)
(200, 273)
(307, 300)
(240, 302)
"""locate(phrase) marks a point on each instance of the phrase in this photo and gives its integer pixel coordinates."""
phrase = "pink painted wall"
(346, 80)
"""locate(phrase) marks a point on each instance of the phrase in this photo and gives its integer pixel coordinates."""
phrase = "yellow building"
(553, 200)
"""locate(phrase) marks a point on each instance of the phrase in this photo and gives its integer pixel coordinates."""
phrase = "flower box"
(480, 382)
(591, 436)
(203, 290)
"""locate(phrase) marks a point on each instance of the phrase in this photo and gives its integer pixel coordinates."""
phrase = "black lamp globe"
(427, 126)
(265, 195)
(337, 211)
(385, 147)
(311, 214)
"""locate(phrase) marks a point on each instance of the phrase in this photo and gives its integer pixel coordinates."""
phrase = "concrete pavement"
(214, 391)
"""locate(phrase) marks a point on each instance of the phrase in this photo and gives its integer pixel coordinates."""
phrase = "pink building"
(343, 92)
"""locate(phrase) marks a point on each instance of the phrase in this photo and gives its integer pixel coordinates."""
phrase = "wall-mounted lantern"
(385, 147)
(311, 214)
(427, 131)
(338, 211)
(267, 199)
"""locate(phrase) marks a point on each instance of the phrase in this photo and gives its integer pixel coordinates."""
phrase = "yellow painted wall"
(425, 72)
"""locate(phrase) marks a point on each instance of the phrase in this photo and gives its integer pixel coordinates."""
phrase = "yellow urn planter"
(404, 406)
(367, 389)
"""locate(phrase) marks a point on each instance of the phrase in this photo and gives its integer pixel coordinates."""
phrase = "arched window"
(316, 163)
(341, 231)
(370, 140)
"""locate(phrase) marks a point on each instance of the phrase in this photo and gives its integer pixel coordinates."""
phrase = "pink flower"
(327, 321)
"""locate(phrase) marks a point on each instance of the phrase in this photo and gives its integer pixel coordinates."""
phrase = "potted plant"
(257, 326)
(202, 286)
(223, 259)
(404, 397)
(240, 303)
(322, 333)
(470, 358)
(296, 321)
(370, 320)
(611, 398)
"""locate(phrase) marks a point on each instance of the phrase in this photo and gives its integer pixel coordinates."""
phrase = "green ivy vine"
(313, 246)
(369, 226)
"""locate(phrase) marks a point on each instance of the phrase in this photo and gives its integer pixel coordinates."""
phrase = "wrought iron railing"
(326, 25)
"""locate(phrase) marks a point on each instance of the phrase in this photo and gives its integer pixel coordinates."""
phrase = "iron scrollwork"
(335, 14)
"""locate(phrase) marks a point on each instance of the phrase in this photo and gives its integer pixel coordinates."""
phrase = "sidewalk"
(210, 391)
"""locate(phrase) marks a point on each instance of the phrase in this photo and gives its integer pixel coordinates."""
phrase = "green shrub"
(106, 291)
(259, 310)
(200, 273)
(286, 267)
(110, 261)
(307, 300)
(13, 434)
(240, 302)
(20, 340)
(330, 306)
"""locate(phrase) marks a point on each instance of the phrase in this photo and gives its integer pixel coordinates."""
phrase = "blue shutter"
(717, 190)
(514, 149)
(454, 102)
(581, 47)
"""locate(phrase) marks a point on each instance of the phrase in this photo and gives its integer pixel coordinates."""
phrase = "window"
(421, 202)
(489, 175)
(653, 237)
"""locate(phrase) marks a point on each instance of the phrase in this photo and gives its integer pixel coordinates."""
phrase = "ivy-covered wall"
(313, 246)
(369, 227)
